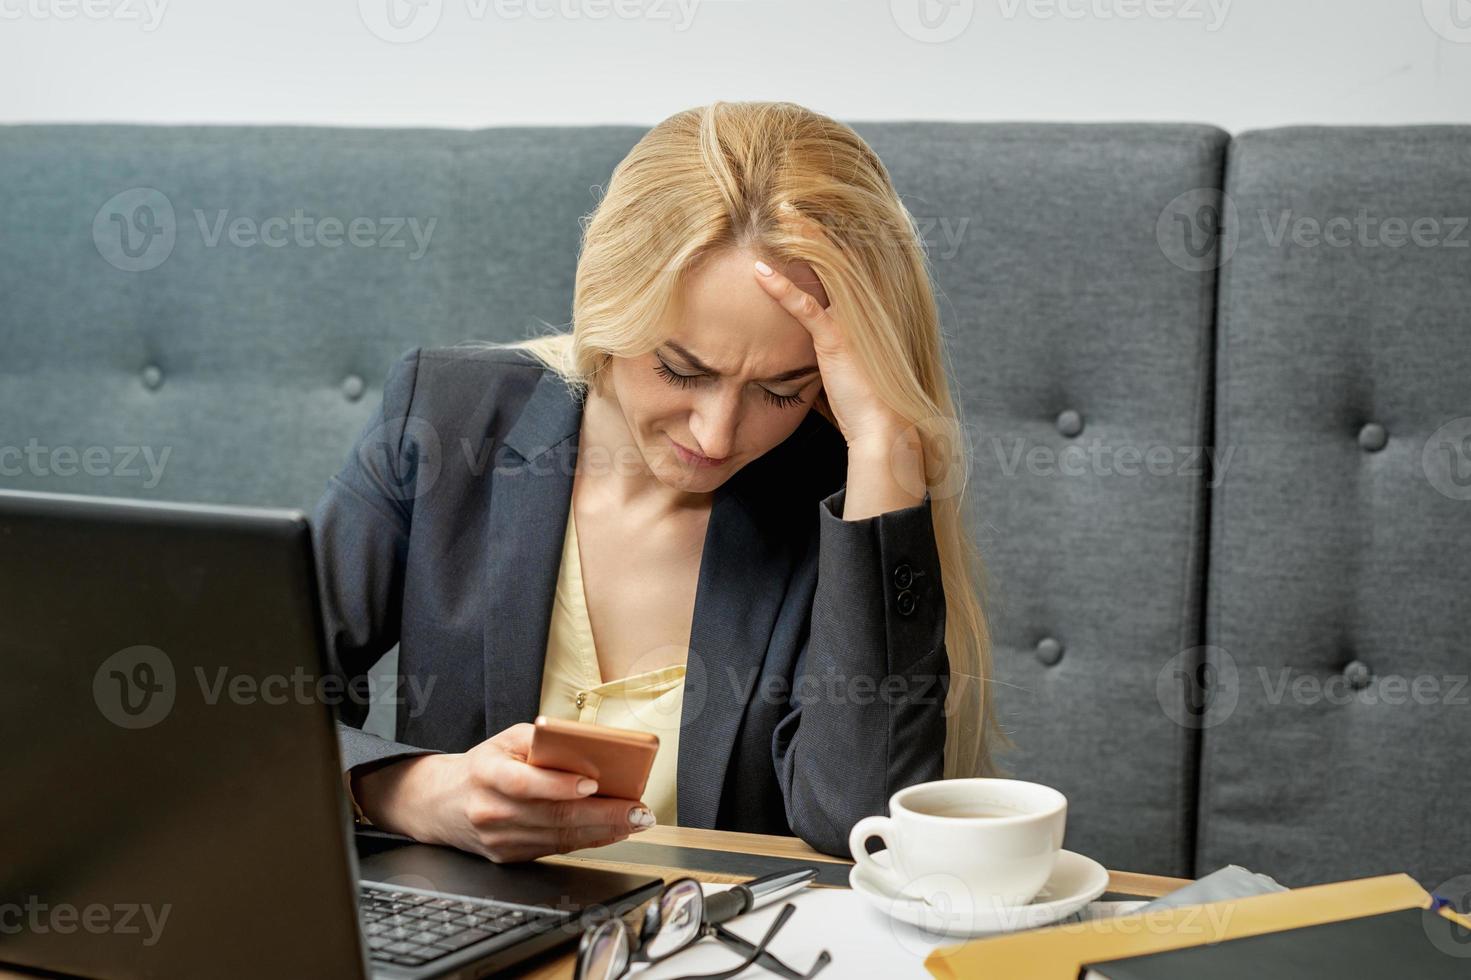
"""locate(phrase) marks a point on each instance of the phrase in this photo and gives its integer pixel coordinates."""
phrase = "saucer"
(1075, 881)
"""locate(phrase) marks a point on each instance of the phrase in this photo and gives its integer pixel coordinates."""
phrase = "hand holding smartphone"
(620, 759)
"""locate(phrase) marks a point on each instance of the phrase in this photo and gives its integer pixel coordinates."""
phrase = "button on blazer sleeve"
(868, 693)
(360, 533)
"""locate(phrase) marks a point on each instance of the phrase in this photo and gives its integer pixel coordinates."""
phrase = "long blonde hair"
(757, 176)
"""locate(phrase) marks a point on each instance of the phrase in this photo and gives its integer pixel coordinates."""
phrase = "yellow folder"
(1060, 952)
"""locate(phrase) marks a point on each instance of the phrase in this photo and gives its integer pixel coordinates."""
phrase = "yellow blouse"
(572, 684)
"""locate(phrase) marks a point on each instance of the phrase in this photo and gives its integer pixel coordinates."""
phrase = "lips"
(693, 457)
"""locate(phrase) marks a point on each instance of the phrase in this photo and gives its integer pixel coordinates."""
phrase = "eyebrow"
(701, 366)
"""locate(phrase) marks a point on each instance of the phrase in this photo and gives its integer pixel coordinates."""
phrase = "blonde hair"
(789, 184)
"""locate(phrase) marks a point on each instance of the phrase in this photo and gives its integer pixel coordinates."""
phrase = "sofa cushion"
(1340, 581)
(1079, 322)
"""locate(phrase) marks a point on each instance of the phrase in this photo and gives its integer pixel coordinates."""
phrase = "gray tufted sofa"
(1222, 468)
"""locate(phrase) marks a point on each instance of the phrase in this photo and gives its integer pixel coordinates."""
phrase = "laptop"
(172, 801)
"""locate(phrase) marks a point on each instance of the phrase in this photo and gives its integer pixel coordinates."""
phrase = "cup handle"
(882, 828)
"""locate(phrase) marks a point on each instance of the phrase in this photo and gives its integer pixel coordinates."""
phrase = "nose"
(714, 420)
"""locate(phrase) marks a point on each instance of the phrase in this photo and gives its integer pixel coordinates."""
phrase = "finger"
(519, 780)
(802, 305)
(628, 815)
(526, 844)
(515, 740)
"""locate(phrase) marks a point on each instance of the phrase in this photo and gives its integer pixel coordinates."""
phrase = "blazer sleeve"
(868, 696)
(360, 534)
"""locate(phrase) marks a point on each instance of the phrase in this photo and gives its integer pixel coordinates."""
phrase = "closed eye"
(685, 380)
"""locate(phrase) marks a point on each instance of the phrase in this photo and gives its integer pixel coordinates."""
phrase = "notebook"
(1409, 943)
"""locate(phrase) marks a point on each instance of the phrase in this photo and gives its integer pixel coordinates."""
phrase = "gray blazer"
(817, 669)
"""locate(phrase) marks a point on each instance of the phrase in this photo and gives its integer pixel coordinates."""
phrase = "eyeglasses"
(681, 916)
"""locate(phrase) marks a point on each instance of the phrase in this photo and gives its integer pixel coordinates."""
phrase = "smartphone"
(618, 758)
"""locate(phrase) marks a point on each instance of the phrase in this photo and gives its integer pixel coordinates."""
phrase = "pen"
(740, 899)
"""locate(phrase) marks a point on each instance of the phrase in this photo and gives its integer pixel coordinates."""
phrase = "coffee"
(962, 809)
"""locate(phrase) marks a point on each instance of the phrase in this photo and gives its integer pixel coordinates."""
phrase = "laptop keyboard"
(413, 928)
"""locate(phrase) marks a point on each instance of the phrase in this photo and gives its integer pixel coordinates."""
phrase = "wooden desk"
(559, 966)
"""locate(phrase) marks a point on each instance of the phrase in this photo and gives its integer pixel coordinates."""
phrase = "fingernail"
(641, 817)
(586, 787)
(763, 268)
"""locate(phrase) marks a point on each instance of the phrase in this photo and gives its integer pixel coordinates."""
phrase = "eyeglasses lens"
(607, 952)
(680, 910)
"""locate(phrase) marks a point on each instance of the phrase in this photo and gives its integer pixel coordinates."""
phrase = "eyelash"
(685, 380)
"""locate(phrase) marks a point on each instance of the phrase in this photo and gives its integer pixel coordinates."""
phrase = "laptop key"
(462, 939)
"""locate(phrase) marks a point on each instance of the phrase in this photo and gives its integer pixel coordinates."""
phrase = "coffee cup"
(966, 843)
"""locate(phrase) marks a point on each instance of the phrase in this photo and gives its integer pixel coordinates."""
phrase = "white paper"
(863, 941)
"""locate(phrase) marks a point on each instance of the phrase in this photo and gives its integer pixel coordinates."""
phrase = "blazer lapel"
(531, 490)
(743, 574)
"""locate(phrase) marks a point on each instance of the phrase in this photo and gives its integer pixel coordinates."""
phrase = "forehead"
(725, 318)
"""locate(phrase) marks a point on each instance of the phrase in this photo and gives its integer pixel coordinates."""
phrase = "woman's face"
(735, 378)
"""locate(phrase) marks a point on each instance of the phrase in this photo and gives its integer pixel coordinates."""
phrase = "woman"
(645, 523)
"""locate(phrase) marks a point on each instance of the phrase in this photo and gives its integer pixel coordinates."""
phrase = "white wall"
(1236, 63)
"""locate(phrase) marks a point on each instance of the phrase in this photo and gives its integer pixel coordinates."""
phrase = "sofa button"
(152, 377)
(905, 602)
(1372, 437)
(903, 577)
(1358, 674)
(1049, 651)
(1069, 423)
(352, 387)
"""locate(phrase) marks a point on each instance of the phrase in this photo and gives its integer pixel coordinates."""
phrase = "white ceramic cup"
(966, 842)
